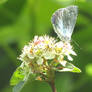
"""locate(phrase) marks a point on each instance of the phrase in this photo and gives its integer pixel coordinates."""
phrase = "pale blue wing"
(63, 21)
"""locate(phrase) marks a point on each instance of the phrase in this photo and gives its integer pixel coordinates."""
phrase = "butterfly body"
(63, 21)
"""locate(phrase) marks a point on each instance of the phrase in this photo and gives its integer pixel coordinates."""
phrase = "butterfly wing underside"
(63, 21)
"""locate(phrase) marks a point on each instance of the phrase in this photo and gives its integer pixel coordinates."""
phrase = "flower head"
(45, 52)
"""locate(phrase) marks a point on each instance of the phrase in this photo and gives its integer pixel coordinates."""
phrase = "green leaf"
(69, 68)
(76, 70)
(19, 86)
(18, 76)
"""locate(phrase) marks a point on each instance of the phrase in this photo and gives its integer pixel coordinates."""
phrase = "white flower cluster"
(44, 51)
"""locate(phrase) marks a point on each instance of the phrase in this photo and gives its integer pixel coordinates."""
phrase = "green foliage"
(69, 68)
(18, 79)
(18, 76)
(3, 1)
(20, 20)
(89, 69)
(18, 87)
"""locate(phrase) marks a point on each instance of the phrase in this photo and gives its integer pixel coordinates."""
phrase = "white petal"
(49, 55)
(70, 58)
(73, 53)
(30, 56)
(66, 69)
(40, 61)
(63, 63)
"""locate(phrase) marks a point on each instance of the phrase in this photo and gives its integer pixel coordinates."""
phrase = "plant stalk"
(52, 85)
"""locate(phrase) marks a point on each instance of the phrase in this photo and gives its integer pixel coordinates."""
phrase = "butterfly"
(63, 21)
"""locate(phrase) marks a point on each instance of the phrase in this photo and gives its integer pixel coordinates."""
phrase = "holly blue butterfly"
(63, 21)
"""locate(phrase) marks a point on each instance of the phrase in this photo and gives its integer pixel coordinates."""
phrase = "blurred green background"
(21, 20)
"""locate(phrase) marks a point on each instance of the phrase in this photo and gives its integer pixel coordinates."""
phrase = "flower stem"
(52, 84)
